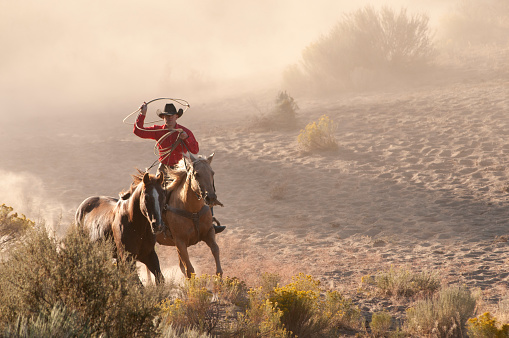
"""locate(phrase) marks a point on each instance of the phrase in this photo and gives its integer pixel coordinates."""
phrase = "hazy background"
(91, 56)
(75, 69)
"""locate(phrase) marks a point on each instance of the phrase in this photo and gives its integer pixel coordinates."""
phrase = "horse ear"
(160, 177)
(209, 159)
(146, 178)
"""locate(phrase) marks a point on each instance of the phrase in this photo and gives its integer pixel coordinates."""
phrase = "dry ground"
(420, 180)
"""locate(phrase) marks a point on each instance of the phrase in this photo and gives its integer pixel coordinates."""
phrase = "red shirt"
(155, 132)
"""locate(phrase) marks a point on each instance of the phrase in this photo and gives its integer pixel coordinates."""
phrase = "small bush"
(380, 323)
(318, 136)
(261, 319)
(285, 110)
(282, 116)
(485, 326)
(278, 191)
(194, 307)
(400, 282)
(444, 315)
(306, 313)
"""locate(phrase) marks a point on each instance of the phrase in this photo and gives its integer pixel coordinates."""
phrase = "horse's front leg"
(210, 240)
(184, 259)
(152, 263)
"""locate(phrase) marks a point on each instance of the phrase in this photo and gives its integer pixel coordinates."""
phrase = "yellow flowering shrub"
(194, 308)
(308, 310)
(318, 135)
(261, 319)
(11, 222)
(485, 326)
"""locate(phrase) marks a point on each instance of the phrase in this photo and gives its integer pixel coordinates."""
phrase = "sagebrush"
(365, 47)
(43, 273)
(443, 315)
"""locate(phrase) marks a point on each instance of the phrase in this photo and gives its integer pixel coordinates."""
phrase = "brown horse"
(187, 214)
(132, 221)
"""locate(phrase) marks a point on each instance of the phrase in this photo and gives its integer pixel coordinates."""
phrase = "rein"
(194, 216)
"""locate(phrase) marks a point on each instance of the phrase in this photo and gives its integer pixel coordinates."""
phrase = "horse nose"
(157, 227)
(209, 197)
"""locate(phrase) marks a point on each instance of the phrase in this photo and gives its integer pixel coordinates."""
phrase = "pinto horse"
(133, 221)
(188, 215)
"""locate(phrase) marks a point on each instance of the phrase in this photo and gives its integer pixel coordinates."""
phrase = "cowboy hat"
(169, 109)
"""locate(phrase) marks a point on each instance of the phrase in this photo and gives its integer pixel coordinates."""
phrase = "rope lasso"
(182, 102)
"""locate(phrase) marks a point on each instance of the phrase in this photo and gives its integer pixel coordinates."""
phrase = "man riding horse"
(173, 140)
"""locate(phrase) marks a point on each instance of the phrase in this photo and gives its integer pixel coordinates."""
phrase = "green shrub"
(380, 323)
(363, 46)
(443, 315)
(485, 326)
(400, 282)
(43, 272)
(318, 136)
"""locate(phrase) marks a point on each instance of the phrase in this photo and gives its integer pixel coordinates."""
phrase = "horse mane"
(137, 179)
(174, 176)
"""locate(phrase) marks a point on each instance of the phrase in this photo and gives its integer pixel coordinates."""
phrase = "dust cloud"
(64, 63)
(62, 56)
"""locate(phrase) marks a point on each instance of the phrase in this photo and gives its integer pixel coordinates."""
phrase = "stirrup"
(217, 227)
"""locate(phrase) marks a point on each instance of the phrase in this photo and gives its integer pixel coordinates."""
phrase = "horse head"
(202, 179)
(152, 201)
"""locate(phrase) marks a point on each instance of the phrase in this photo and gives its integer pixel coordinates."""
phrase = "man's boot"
(217, 226)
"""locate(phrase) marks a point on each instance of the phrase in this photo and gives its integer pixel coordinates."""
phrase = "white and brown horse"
(133, 221)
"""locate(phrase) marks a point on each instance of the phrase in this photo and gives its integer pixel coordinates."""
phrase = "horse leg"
(182, 267)
(149, 279)
(184, 259)
(210, 240)
(152, 263)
